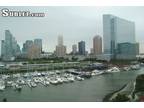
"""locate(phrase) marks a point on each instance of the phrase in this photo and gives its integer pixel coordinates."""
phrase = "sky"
(75, 23)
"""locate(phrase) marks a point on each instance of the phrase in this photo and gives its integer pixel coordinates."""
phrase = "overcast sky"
(74, 23)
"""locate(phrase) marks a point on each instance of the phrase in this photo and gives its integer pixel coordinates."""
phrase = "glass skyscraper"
(81, 48)
(10, 49)
(116, 30)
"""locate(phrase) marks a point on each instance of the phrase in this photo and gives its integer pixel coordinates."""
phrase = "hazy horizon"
(75, 23)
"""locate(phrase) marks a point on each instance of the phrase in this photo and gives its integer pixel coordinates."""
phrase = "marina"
(64, 85)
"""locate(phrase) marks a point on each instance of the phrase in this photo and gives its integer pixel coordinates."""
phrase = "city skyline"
(61, 20)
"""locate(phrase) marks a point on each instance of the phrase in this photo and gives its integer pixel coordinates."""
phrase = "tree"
(121, 98)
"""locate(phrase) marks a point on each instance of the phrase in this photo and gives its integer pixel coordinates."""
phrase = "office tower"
(127, 50)
(60, 40)
(10, 48)
(81, 47)
(60, 48)
(32, 49)
(33, 52)
(97, 45)
(116, 30)
(26, 46)
(74, 49)
(38, 43)
(2, 48)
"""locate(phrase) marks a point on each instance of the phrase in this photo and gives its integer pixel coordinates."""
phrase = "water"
(92, 90)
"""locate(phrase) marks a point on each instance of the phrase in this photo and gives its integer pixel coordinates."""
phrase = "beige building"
(97, 45)
(60, 48)
(34, 52)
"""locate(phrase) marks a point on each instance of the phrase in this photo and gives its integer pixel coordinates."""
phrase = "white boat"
(46, 83)
(53, 81)
(71, 79)
(65, 80)
(96, 72)
(60, 81)
(26, 75)
(33, 84)
(2, 85)
(126, 68)
(38, 80)
(113, 70)
(9, 83)
(79, 78)
(135, 67)
(20, 81)
(18, 87)
(4, 77)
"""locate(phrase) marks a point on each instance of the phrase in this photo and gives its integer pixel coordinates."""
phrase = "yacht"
(96, 72)
(2, 85)
(71, 79)
(126, 68)
(60, 81)
(20, 81)
(18, 87)
(53, 81)
(46, 83)
(79, 78)
(135, 67)
(113, 70)
(33, 84)
(9, 83)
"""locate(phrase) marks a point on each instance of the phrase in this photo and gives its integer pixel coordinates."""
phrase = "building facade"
(74, 49)
(60, 50)
(10, 49)
(116, 30)
(97, 45)
(127, 50)
(38, 43)
(81, 48)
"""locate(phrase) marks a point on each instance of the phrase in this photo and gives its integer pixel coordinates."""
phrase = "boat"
(53, 81)
(20, 81)
(113, 70)
(96, 72)
(79, 78)
(85, 75)
(18, 87)
(9, 83)
(2, 85)
(26, 75)
(135, 67)
(126, 68)
(46, 83)
(65, 80)
(60, 81)
(71, 79)
(33, 84)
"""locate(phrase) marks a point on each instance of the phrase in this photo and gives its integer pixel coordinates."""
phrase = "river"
(89, 90)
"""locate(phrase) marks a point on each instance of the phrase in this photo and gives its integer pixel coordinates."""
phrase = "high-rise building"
(74, 49)
(81, 48)
(60, 40)
(10, 48)
(116, 30)
(127, 50)
(60, 48)
(26, 46)
(32, 49)
(97, 45)
(2, 48)
(38, 43)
